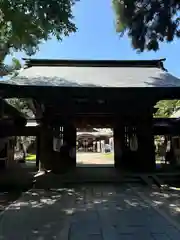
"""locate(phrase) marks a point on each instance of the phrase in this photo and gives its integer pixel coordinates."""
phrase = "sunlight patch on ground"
(109, 155)
(90, 210)
(87, 158)
(95, 158)
(31, 157)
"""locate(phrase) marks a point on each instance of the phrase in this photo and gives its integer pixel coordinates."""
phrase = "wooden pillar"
(46, 148)
(1, 107)
(3, 150)
(146, 150)
(70, 140)
(118, 145)
(37, 150)
(10, 153)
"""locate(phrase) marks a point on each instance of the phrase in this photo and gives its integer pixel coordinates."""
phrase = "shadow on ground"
(13, 182)
(84, 212)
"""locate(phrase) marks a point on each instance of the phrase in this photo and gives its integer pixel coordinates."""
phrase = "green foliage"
(25, 24)
(148, 22)
(16, 65)
(11, 69)
(166, 108)
(21, 105)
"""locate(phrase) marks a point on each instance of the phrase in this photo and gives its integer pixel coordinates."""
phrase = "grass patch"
(109, 155)
(31, 157)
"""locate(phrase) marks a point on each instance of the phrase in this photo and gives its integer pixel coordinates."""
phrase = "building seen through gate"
(95, 140)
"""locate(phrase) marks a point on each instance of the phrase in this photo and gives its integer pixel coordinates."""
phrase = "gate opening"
(95, 147)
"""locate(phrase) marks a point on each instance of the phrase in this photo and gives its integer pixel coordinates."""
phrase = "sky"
(96, 38)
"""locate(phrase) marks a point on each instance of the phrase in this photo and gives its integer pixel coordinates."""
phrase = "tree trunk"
(23, 147)
(3, 53)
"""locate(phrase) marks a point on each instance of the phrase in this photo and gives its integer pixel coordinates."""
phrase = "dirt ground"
(95, 158)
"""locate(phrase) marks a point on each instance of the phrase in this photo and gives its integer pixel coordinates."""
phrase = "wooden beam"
(95, 108)
(54, 92)
(19, 131)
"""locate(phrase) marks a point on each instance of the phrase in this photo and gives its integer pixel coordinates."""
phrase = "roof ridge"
(158, 63)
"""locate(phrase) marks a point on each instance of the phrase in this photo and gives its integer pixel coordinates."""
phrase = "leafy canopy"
(166, 108)
(24, 24)
(148, 22)
(22, 105)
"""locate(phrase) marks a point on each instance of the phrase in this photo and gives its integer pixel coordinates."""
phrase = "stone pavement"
(92, 212)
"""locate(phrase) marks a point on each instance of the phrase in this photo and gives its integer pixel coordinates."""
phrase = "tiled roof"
(99, 75)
